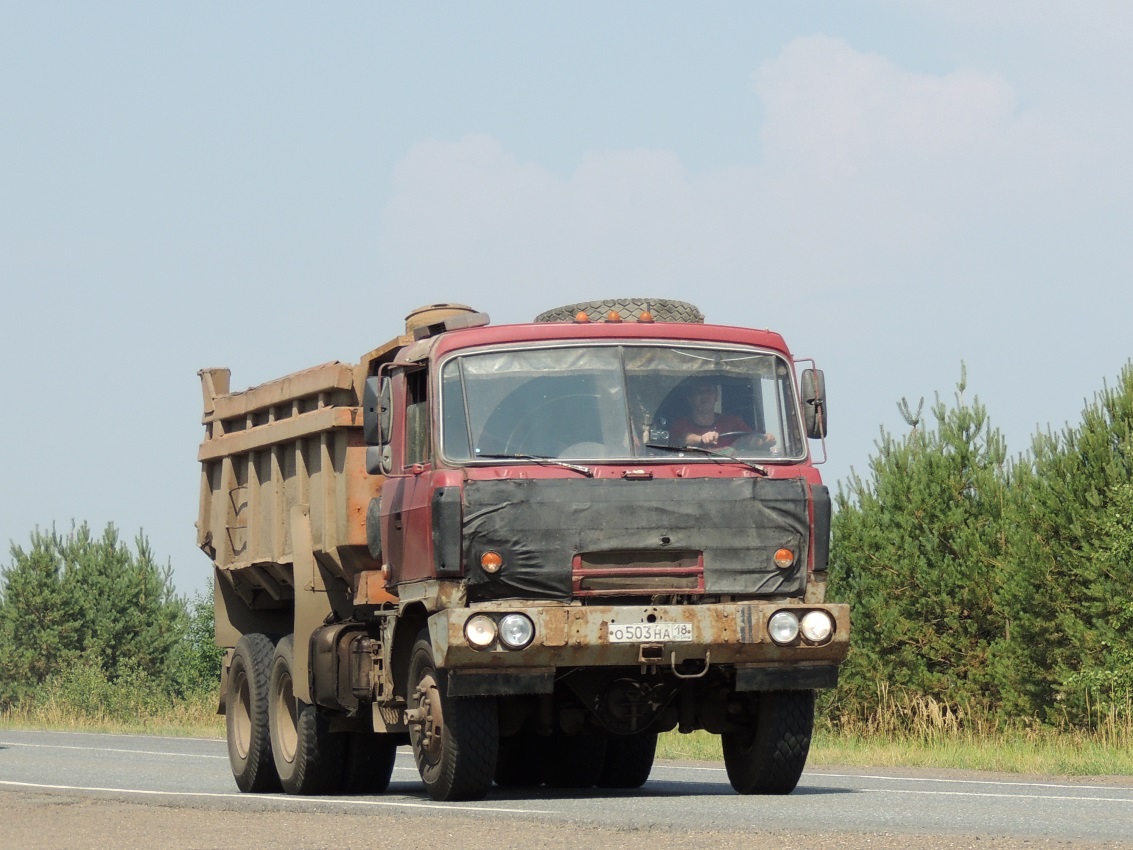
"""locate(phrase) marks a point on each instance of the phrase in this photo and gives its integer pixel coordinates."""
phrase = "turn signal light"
(581, 316)
(784, 558)
(491, 562)
(613, 316)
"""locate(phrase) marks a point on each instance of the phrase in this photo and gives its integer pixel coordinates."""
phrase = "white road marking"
(1000, 782)
(1072, 797)
(110, 750)
(910, 779)
(347, 801)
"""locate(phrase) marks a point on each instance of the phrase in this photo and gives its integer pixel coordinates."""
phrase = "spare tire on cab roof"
(629, 309)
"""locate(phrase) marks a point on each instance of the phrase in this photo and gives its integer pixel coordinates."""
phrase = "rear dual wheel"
(276, 740)
(576, 761)
(573, 761)
(369, 763)
(308, 758)
(520, 761)
(629, 760)
(246, 715)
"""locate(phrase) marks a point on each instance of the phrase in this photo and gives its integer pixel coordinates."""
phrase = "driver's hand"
(709, 438)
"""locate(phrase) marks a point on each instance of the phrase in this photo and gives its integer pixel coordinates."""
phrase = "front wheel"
(769, 757)
(454, 739)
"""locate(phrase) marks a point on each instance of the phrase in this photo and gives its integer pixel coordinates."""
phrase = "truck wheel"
(629, 760)
(369, 763)
(519, 764)
(454, 739)
(662, 309)
(308, 758)
(573, 761)
(246, 715)
(769, 758)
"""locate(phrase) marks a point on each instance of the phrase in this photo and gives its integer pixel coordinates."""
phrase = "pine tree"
(39, 623)
(917, 552)
(75, 597)
(1068, 590)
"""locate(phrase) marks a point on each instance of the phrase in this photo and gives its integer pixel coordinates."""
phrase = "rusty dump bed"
(293, 443)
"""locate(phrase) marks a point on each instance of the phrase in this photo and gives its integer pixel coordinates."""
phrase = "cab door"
(407, 522)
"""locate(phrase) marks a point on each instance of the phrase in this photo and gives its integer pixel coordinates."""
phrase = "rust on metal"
(734, 633)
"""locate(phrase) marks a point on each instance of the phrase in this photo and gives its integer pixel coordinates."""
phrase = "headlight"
(480, 631)
(516, 631)
(783, 627)
(817, 626)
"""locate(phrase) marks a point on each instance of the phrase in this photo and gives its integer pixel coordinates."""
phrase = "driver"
(704, 427)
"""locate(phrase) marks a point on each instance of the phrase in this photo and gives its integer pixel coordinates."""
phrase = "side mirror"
(377, 422)
(376, 416)
(813, 388)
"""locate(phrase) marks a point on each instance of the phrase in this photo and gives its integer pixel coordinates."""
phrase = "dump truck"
(523, 551)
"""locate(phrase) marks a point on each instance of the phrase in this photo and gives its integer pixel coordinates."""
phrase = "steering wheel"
(745, 441)
(722, 435)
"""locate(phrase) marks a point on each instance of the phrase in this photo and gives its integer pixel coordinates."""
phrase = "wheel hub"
(427, 719)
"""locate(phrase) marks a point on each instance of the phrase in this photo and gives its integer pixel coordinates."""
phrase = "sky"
(899, 188)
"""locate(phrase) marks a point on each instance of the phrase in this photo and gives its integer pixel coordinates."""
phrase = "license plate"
(650, 632)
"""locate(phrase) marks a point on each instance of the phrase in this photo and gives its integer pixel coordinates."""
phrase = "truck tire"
(369, 763)
(455, 740)
(308, 757)
(769, 758)
(246, 715)
(629, 760)
(520, 763)
(662, 309)
(573, 761)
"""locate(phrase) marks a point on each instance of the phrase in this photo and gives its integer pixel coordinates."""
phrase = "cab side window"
(417, 417)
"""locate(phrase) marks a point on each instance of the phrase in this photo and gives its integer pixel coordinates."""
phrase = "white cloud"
(865, 174)
(839, 112)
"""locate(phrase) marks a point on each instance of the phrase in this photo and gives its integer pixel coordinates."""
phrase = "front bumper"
(570, 636)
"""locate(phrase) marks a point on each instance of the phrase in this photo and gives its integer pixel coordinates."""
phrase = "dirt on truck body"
(525, 551)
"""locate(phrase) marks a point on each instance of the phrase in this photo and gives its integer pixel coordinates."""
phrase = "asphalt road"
(119, 780)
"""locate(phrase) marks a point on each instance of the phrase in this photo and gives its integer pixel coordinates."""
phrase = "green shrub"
(917, 553)
(79, 600)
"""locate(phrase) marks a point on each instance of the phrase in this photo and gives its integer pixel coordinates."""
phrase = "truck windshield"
(619, 402)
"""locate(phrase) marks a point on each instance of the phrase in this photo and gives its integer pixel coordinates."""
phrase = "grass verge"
(1048, 752)
(191, 717)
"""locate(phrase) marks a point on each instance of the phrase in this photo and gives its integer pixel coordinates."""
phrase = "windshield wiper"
(545, 461)
(762, 470)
